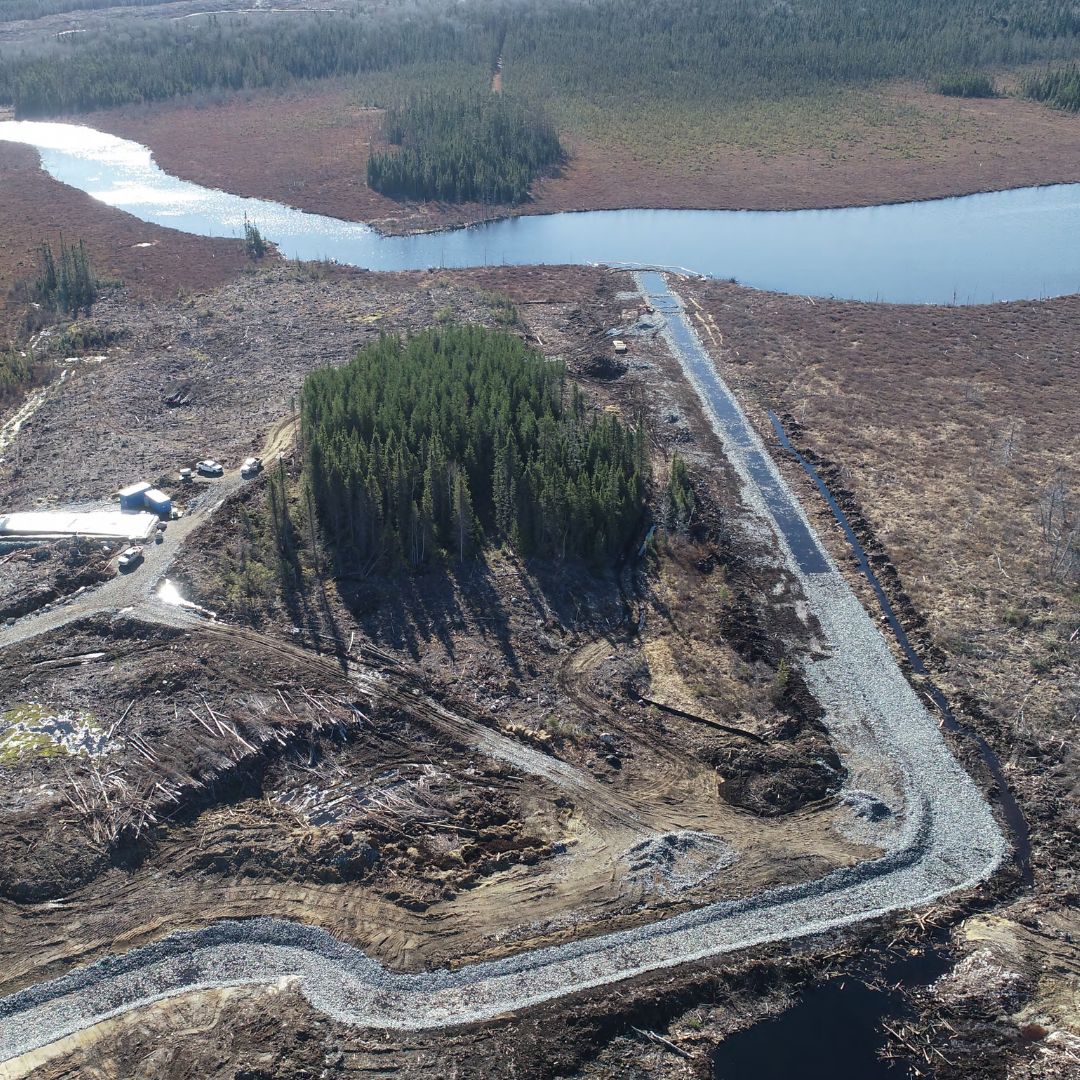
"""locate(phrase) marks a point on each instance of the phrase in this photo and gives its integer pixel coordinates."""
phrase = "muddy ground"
(944, 458)
(308, 148)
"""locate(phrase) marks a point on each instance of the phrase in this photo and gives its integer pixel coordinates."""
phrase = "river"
(1018, 244)
(1008, 245)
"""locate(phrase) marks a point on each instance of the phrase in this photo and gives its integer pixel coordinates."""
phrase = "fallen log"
(673, 711)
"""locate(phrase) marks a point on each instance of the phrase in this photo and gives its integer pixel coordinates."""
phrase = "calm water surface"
(1020, 244)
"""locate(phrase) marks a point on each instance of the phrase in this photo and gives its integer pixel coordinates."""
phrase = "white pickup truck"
(252, 467)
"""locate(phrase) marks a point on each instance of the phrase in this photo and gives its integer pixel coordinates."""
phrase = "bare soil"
(308, 148)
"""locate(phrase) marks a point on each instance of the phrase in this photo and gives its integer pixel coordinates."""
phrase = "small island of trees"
(428, 448)
(463, 147)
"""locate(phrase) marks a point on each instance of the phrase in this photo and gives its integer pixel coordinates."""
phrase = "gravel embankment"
(943, 838)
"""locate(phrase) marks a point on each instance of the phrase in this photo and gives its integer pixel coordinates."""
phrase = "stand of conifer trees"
(152, 61)
(967, 84)
(478, 147)
(461, 436)
(65, 284)
(606, 54)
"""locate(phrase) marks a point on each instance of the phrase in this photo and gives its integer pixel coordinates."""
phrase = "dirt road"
(129, 590)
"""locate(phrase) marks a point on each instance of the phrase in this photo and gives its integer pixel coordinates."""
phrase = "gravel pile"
(940, 836)
(673, 862)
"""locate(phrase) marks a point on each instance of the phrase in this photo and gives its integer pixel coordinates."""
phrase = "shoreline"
(307, 148)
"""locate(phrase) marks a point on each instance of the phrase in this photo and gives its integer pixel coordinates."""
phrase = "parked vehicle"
(251, 467)
(129, 558)
(619, 346)
(186, 476)
(210, 467)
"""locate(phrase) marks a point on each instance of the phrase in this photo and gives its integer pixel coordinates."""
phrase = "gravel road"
(126, 591)
(942, 837)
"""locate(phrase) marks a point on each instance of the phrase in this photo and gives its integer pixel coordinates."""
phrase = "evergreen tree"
(458, 436)
(680, 493)
(464, 519)
(67, 286)
(477, 147)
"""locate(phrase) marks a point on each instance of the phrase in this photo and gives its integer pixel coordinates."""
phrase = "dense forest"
(606, 53)
(661, 50)
(1059, 88)
(461, 436)
(146, 61)
(464, 147)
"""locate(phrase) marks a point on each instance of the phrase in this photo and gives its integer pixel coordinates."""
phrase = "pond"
(1008, 245)
(834, 1031)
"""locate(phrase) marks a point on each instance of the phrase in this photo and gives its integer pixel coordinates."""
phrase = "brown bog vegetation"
(150, 260)
(949, 436)
(309, 148)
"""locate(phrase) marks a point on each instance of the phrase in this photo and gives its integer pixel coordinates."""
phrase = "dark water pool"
(833, 1032)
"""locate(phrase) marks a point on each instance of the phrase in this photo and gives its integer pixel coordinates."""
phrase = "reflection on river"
(1009, 245)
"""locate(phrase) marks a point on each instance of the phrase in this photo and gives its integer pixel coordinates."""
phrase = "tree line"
(605, 53)
(614, 54)
(462, 436)
(463, 147)
(144, 62)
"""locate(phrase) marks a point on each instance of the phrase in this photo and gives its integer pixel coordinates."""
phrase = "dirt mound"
(777, 779)
(676, 861)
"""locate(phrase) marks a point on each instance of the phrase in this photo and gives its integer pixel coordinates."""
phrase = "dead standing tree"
(1060, 526)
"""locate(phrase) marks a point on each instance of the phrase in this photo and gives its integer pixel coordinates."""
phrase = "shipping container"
(158, 502)
(131, 497)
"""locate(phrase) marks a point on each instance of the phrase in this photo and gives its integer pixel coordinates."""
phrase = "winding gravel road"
(936, 830)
